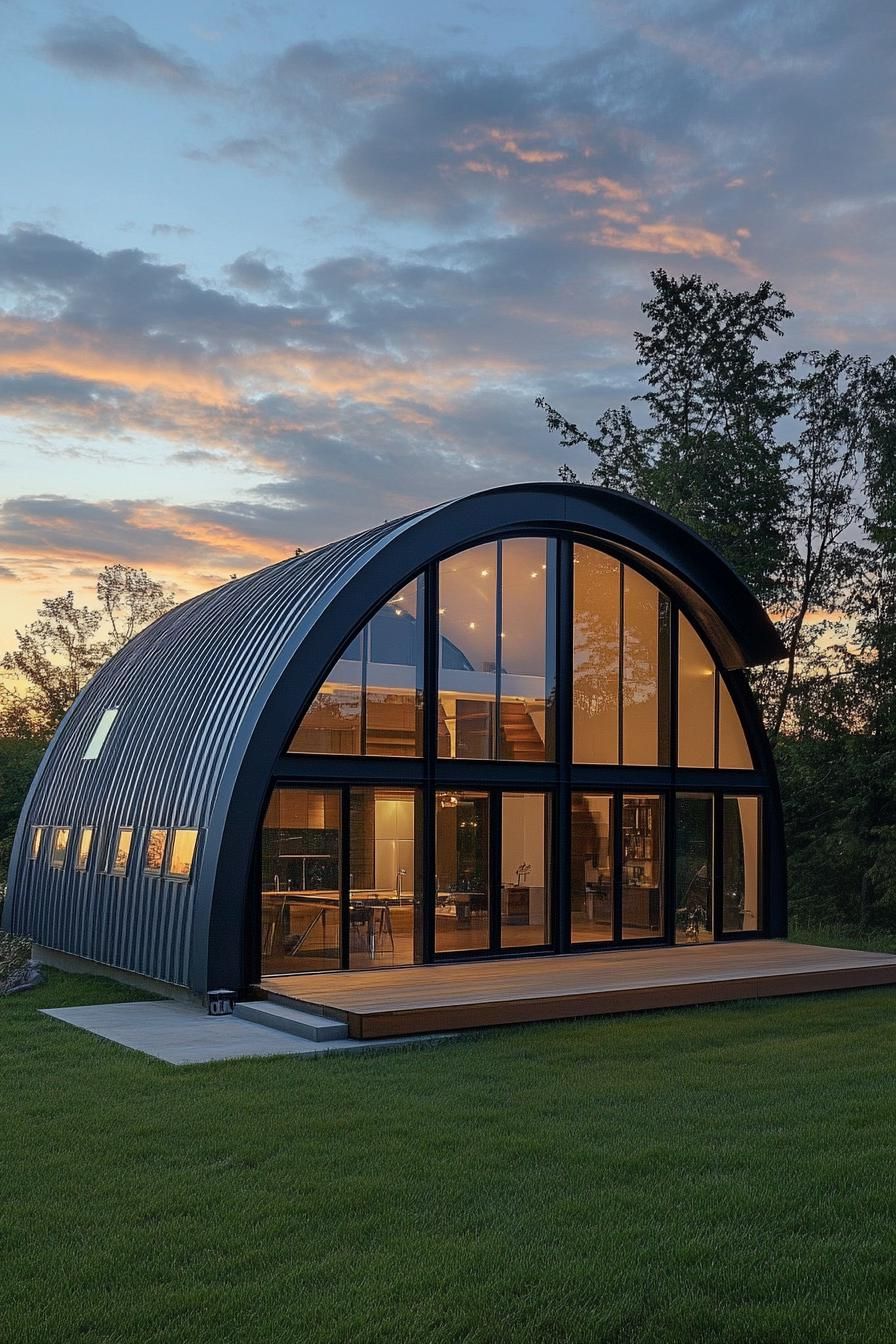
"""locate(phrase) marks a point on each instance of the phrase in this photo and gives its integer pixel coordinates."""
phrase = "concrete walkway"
(180, 1033)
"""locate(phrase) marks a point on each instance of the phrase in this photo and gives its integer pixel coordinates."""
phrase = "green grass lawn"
(714, 1174)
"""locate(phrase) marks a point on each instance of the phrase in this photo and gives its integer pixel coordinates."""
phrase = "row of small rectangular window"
(168, 851)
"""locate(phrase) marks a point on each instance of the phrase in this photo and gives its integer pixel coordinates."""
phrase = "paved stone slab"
(180, 1033)
(311, 1026)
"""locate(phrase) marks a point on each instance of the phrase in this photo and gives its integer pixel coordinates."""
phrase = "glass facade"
(734, 750)
(301, 852)
(371, 703)
(525, 870)
(696, 699)
(643, 864)
(386, 878)
(527, 649)
(455, 854)
(463, 872)
(694, 867)
(497, 648)
(741, 860)
(621, 673)
(592, 869)
(645, 672)
(597, 600)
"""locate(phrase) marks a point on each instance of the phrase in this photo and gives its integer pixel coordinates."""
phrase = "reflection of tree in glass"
(596, 661)
(596, 644)
(641, 616)
(155, 848)
(122, 850)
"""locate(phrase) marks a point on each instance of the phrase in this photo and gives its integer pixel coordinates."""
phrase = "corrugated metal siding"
(182, 688)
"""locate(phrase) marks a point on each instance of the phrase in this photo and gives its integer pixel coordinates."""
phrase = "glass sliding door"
(385, 879)
(592, 868)
(694, 859)
(642, 866)
(741, 864)
(300, 881)
(525, 870)
(463, 875)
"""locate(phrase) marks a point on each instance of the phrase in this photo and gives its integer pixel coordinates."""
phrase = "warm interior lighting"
(60, 846)
(183, 848)
(121, 851)
(85, 842)
(155, 850)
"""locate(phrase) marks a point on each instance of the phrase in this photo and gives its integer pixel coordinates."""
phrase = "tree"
(53, 659)
(57, 653)
(130, 600)
(787, 464)
(714, 451)
(707, 452)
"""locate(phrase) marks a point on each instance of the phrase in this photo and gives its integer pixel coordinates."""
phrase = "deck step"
(312, 1026)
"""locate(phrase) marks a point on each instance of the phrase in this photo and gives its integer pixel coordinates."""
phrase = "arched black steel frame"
(560, 778)
(208, 693)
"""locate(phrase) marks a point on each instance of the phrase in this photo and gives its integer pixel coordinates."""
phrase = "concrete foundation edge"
(66, 961)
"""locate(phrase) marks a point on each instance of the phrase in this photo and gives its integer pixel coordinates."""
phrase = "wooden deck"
(535, 989)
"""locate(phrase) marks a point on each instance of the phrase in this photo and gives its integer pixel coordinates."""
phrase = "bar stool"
(360, 935)
(381, 928)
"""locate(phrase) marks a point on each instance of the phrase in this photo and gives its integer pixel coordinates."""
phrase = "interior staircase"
(520, 739)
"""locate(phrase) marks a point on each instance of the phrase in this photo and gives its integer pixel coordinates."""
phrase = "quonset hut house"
(510, 725)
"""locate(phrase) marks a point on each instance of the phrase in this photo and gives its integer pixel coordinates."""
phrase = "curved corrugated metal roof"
(195, 690)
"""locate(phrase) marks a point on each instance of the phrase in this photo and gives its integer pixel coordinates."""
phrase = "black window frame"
(558, 778)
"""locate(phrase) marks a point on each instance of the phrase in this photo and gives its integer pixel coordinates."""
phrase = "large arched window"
(660, 834)
(498, 642)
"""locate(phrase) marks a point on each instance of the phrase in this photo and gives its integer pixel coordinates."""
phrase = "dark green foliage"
(19, 758)
(708, 452)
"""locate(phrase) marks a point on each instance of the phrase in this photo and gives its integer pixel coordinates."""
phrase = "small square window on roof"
(37, 835)
(100, 733)
(183, 849)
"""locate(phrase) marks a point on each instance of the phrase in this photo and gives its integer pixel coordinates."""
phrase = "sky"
(273, 273)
